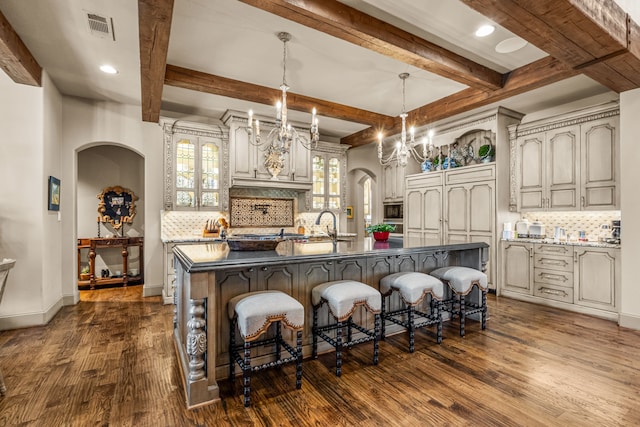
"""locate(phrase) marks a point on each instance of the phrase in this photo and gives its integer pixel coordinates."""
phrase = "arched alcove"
(102, 165)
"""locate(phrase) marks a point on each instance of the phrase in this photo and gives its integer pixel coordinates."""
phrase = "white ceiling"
(235, 40)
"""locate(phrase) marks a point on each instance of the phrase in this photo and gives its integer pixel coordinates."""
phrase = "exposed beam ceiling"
(537, 74)
(588, 35)
(203, 82)
(15, 58)
(154, 21)
(346, 23)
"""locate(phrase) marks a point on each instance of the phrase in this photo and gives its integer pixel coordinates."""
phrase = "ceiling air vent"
(100, 26)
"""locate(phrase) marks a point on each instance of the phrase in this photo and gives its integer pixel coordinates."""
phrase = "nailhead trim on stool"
(461, 281)
(413, 288)
(252, 313)
(343, 297)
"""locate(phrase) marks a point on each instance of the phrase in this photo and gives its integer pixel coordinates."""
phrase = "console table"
(98, 244)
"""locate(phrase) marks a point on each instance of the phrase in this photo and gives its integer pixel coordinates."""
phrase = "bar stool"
(461, 281)
(343, 297)
(253, 313)
(413, 288)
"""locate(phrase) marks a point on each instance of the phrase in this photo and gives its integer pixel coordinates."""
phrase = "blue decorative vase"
(448, 163)
(426, 166)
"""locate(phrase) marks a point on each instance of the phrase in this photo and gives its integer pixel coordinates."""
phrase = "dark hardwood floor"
(111, 362)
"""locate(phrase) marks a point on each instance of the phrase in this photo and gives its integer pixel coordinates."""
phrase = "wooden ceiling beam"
(592, 36)
(217, 85)
(532, 76)
(15, 58)
(154, 23)
(349, 24)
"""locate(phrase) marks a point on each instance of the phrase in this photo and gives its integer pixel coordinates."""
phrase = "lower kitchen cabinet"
(579, 278)
(598, 280)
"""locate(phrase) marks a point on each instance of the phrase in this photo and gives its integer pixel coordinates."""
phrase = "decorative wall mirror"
(117, 206)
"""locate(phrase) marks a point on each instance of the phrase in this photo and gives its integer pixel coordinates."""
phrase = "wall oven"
(393, 214)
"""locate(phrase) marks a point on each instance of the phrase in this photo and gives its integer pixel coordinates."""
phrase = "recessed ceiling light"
(108, 69)
(510, 45)
(485, 30)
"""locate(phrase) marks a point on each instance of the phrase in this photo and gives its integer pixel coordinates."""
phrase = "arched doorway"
(100, 166)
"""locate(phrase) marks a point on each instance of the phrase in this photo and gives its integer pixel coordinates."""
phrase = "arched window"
(367, 202)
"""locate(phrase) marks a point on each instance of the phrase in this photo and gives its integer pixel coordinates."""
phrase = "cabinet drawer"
(424, 180)
(470, 174)
(540, 248)
(553, 277)
(553, 262)
(556, 293)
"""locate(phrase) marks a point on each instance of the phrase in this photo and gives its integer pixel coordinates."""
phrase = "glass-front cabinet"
(195, 166)
(329, 163)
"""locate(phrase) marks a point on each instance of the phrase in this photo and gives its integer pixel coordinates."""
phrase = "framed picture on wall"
(349, 212)
(54, 194)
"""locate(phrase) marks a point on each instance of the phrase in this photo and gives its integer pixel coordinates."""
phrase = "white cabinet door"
(530, 171)
(562, 165)
(432, 215)
(243, 155)
(389, 184)
(599, 164)
(517, 267)
(597, 277)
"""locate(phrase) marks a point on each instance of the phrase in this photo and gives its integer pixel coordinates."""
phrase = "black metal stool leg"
(437, 305)
(349, 329)
(314, 332)
(246, 374)
(339, 349)
(299, 359)
(232, 344)
(484, 309)
(376, 336)
(462, 314)
(278, 341)
(383, 329)
(412, 329)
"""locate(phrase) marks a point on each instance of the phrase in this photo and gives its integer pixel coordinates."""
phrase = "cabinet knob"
(265, 268)
(250, 270)
(329, 263)
(341, 262)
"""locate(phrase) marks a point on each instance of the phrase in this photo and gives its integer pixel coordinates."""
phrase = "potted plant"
(84, 273)
(381, 231)
(436, 163)
(486, 153)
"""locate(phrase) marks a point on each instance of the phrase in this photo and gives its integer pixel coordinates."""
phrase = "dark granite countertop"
(212, 256)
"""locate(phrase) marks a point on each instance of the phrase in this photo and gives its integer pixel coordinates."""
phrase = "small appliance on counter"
(537, 230)
(615, 233)
(507, 231)
(522, 228)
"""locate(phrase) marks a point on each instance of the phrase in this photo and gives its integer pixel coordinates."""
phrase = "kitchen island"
(209, 275)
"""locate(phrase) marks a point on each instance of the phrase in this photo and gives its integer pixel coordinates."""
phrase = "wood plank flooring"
(111, 362)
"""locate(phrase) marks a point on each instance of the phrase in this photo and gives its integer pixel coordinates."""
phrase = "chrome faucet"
(332, 233)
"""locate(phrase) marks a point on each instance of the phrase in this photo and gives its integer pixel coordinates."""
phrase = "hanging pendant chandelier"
(403, 148)
(278, 142)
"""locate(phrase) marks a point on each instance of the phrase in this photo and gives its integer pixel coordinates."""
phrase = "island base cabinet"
(204, 288)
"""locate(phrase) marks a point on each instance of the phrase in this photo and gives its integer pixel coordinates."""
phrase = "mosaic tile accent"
(573, 222)
(259, 212)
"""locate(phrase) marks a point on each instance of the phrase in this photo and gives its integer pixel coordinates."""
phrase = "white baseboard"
(27, 320)
(630, 321)
(152, 290)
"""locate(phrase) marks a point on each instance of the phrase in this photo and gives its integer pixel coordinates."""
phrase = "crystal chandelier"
(404, 148)
(278, 142)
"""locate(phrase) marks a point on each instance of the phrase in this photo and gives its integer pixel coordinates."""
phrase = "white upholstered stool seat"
(257, 310)
(461, 281)
(253, 313)
(343, 298)
(413, 287)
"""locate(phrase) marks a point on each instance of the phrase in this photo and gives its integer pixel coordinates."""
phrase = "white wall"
(29, 153)
(88, 123)
(630, 207)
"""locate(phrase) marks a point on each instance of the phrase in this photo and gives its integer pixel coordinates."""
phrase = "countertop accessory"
(211, 229)
(253, 244)
(522, 228)
(537, 230)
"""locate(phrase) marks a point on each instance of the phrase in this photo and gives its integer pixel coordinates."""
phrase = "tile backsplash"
(573, 222)
(185, 225)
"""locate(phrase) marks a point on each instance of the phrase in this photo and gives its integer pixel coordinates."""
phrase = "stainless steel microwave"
(393, 211)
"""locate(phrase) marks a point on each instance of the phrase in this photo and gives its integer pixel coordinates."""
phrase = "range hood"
(300, 186)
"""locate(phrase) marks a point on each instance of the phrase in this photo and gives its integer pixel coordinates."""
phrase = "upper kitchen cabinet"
(568, 163)
(195, 159)
(247, 166)
(329, 176)
(393, 177)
